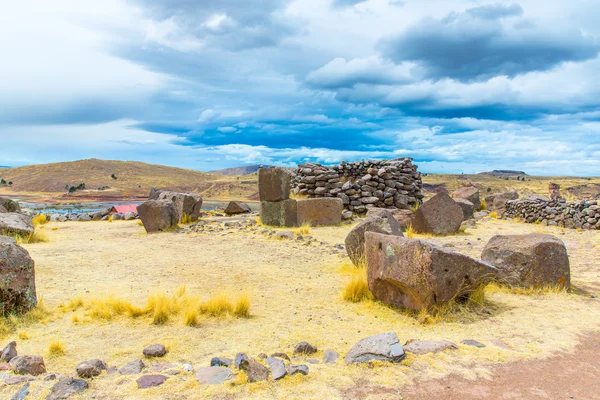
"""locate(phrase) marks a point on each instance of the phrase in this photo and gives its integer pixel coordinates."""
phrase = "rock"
(189, 204)
(66, 388)
(150, 381)
(277, 368)
(330, 357)
(17, 380)
(129, 216)
(28, 365)
(237, 207)
(84, 218)
(274, 184)
(382, 347)
(156, 350)
(239, 357)
(473, 343)
(481, 214)
(90, 368)
(15, 223)
(429, 346)
(132, 368)
(154, 193)
(280, 355)
(158, 215)
(213, 375)
(221, 362)
(97, 216)
(9, 352)
(347, 215)
(469, 193)
(320, 211)
(255, 371)
(293, 369)
(279, 213)
(381, 222)
(285, 235)
(119, 216)
(533, 260)
(467, 207)
(188, 368)
(500, 200)
(440, 216)
(9, 205)
(3, 210)
(304, 348)
(404, 272)
(21, 393)
(404, 217)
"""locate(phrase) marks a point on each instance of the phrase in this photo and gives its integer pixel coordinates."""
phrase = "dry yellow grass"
(39, 219)
(304, 229)
(295, 296)
(483, 206)
(357, 288)
(56, 348)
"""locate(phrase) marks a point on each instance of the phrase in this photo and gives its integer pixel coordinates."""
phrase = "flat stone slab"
(213, 375)
(67, 388)
(421, 347)
(473, 343)
(150, 381)
(382, 347)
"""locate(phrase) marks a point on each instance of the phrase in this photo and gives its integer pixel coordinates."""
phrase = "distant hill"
(238, 170)
(502, 173)
(104, 178)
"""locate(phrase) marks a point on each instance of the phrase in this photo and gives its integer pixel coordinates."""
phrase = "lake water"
(88, 208)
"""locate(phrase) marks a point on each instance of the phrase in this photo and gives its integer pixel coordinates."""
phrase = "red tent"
(122, 209)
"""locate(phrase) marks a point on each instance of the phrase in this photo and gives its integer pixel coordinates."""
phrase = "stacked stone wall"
(558, 212)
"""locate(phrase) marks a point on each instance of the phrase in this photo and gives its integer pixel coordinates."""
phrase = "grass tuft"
(242, 306)
(56, 348)
(110, 218)
(23, 335)
(39, 219)
(493, 215)
(357, 289)
(217, 305)
(303, 230)
(483, 206)
(186, 219)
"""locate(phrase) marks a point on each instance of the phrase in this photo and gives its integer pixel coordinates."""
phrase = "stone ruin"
(558, 212)
(554, 191)
(361, 185)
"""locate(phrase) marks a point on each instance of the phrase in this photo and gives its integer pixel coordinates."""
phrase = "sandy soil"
(296, 295)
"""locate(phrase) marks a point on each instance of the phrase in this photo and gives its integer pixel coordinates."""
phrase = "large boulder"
(467, 207)
(500, 200)
(381, 222)
(237, 207)
(274, 184)
(28, 365)
(382, 347)
(404, 217)
(10, 205)
(469, 193)
(189, 204)
(158, 215)
(440, 215)
(3, 210)
(415, 274)
(17, 278)
(279, 213)
(15, 223)
(154, 193)
(321, 211)
(534, 260)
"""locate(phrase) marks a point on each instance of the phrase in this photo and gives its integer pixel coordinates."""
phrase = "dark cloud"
(495, 11)
(474, 46)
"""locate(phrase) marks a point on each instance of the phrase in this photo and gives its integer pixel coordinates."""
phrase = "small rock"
(50, 377)
(255, 371)
(17, 380)
(133, 368)
(239, 357)
(473, 343)
(213, 375)
(90, 368)
(188, 368)
(285, 235)
(9, 352)
(149, 381)
(263, 356)
(281, 355)
(28, 365)
(501, 344)
(428, 346)
(304, 348)
(293, 369)
(67, 388)
(221, 362)
(21, 393)
(330, 357)
(277, 368)
(156, 350)
(382, 347)
(312, 361)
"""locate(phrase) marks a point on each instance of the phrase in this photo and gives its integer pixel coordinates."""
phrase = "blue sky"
(459, 85)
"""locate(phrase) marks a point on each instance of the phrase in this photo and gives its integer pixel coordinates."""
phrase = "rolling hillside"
(133, 179)
(238, 170)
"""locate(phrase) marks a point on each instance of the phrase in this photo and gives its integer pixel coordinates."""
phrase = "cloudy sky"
(459, 85)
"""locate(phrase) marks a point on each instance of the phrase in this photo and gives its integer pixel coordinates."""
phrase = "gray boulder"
(189, 204)
(9, 205)
(381, 221)
(129, 216)
(158, 215)
(15, 223)
(237, 207)
(467, 207)
(404, 272)
(500, 200)
(440, 215)
(533, 260)
(382, 347)
(469, 193)
(3, 210)
(274, 184)
(17, 278)
(277, 367)
(28, 365)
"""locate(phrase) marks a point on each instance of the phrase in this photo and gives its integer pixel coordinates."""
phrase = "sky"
(459, 85)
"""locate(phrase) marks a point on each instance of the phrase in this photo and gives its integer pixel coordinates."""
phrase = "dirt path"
(564, 376)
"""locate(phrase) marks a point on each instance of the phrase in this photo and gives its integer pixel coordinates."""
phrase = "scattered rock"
(440, 215)
(21, 393)
(156, 350)
(382, 347)
(15, 223)
(281, 355)
(428, 346)
(213, 375)
(237, 207)
(158, 215)
(533, 260)
(129, 215)
(304, 348)
(330, 357)
(150, 381)
(467, 207)
(17, 380)
(132, 368)
(9, 205)
(28, 365)
(320, 212)
(188, 368)
(473, 343)
(239, 357)
(90, 368)
(222, 362)
(469, 193)
(10, 351)
(411, 273)
(293, 369)
(277, 367)
(381, 222)
(67, 388)
(189, 204)
(255, 371)
(285, 235)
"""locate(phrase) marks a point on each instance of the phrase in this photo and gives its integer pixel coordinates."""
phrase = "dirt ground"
(296, 295)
